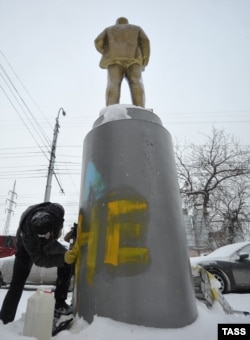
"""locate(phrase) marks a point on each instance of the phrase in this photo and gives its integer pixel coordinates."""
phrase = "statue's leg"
(133, 75)
(113, 91)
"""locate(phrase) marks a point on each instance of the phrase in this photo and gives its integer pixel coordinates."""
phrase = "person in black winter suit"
(36, 240)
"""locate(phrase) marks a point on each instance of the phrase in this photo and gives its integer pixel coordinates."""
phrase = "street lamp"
(52, 156)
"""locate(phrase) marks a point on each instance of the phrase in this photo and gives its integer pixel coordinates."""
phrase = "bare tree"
(206, 171)
(231, 209)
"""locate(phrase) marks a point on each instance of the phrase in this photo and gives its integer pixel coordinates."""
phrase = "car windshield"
(227, 250)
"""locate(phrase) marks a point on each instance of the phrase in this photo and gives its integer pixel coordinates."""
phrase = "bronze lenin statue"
(125, 50)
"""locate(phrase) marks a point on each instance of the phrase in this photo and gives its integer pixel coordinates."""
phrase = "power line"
(31, 118)
(24, 87)
(29, 130)
(209, 112)
(209, 122)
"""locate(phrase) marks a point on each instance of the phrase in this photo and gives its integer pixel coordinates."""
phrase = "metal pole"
(52, 157)
(10, 209)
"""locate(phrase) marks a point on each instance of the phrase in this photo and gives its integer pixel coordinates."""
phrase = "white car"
(38, 275)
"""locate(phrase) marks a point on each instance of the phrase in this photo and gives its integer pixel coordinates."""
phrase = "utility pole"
(52, 157)
(10, 209)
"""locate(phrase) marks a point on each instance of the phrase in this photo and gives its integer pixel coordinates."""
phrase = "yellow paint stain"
(80, 223)
(125, 206)
(90, 238)
(112, 244)
(92, 246)
(78, 259)
(133, 255)
(114, 227)
(83, 238)
(131, 230)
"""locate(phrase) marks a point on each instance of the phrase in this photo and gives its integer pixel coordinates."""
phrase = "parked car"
(7, 245)
(37, 276)
(230, 265)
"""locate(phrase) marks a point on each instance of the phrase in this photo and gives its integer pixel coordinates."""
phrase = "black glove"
(54, 247)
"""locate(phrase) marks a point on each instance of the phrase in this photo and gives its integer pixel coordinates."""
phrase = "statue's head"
(121, 21)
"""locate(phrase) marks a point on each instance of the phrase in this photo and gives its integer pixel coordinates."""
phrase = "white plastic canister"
(39, 315)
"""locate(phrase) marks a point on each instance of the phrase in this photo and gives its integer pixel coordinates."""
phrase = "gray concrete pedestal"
(134, 265)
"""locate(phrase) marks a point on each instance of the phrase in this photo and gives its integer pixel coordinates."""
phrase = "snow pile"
(115, 112)
(205, 327)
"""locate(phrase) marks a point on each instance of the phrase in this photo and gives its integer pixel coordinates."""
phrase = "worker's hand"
(71, 255)
(54, 248)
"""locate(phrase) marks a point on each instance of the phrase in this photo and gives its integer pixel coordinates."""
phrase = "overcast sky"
(198, 77)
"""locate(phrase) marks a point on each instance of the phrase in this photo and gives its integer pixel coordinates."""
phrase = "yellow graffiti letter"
(114, 254)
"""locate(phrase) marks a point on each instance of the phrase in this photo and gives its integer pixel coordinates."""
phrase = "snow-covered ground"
(205, 327)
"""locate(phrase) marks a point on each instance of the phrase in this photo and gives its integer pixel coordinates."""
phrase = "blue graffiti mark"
(93, 181)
